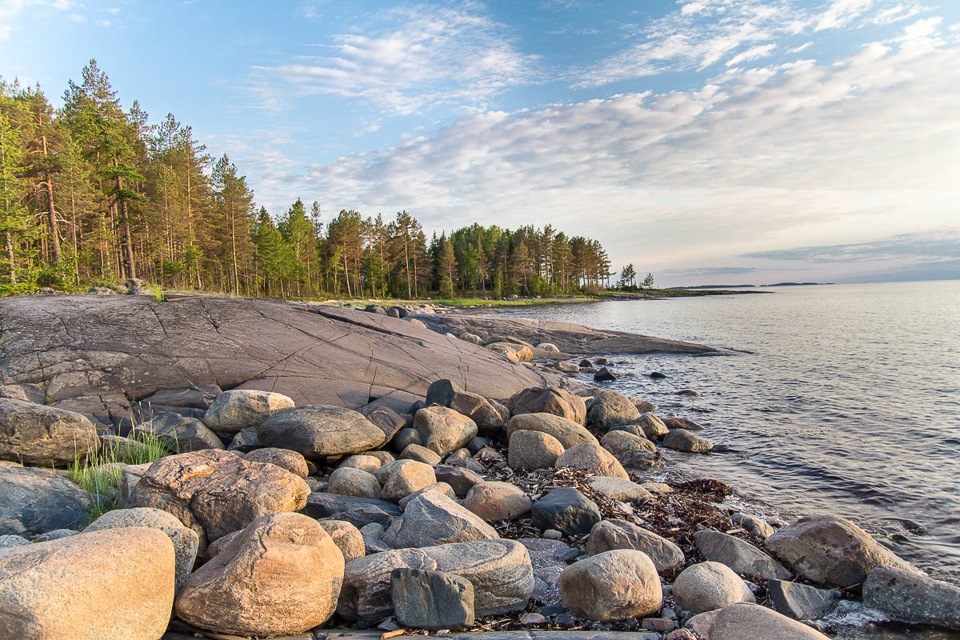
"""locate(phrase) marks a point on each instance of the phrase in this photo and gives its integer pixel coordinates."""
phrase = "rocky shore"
(288, 471)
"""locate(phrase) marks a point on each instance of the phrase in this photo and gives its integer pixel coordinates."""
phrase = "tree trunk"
(51, 210)
(233, 248)
(127, 237)
(11, 258)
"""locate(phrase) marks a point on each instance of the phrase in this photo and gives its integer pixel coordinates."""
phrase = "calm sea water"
(833, 399)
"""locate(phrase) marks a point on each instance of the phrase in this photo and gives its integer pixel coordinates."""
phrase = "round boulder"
(709, 585)
(738, 621)
(619, 442)
(346, 536)
(443, 430)
(593, 459)
(495, 501)
(234, 410)
(347, 481)
(565, 510)
(552, 400)
(568, 432)
(318, 431)
(610, 408)
(532, 450)
(611, 586)
(292, 461)
(683, 440)
(38, 435)
(611, 534)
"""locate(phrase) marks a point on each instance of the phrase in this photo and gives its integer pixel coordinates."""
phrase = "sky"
(704, 141)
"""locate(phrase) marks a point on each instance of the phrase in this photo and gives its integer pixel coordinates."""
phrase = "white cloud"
(11, 10)
(755, 53)
(842, 12)
(425, 55)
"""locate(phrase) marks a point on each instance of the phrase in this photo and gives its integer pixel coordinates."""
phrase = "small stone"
(801, 601)
(753, 524)
(347, 481)
(605, 375)
(658, 624)
(532, 619)
(687, 441)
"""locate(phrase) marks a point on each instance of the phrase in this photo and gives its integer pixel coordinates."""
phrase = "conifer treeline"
(93, 194)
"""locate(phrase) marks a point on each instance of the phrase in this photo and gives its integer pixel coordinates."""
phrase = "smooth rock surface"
(592, 459)
(403, 477)
(346, 536)
(610, 408)
(707, 586)
(565, 510)
(241, 408)
(347, 481)
(284, 458)
(442, 429)
(320, 430)
(39, 435)
(431, 599)
(618, 442)
(431, 519)
(687, 441)
(552, 400)
(569, 433)
(611, 586)
(739, 621)
(912, 597)
(801, 601)
(34, 501)
(612, 533)
(739, 555)
(532, 450)
(494, 501)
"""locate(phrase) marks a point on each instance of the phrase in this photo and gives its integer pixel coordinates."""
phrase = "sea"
(839, 399)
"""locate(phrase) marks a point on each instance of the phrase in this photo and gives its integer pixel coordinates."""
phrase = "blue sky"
(719, 141)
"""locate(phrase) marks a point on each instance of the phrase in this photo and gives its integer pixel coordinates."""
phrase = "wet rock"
(443, 430)
(652, 426)
(185, 541)
(346, 536)
(739, 621)
(532, 450)
(739, 555)
(347, 481)
(566, 510)
(753, 524)
(246, 589)
(611, 534)
(319, 430)
(431, 599)
(38, 435)
(34, 501)
(403, 477)
(552, 400)
(431, 519)
(912, 597)
(593, 459)
(618, 488)
(657, 375)
(611, 586)
(240, 408)
(683, 440)
(184, 433)
(689, 393)
(605, 375)
(830, 551)
(707, 586)
(494, 501)
(800, 601)
(60, 589)
(569, 433)
(283, 458)
(610, 408)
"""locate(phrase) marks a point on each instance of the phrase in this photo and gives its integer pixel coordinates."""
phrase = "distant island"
(753, 286)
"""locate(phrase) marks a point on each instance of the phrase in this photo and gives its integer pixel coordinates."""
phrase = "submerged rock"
(912, 597)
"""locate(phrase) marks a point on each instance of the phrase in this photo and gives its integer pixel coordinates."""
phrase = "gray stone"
(386, 419)
(592, 459)
(552, 400)
(34, 501)
(739, 621)
(618, 488)
(38, 435)
(652, 426)
(321, 430)
(707, 586)
(687, 441)
(431, 599)
(56, 534)
(611, 534)
(611, 586)
(755, 525)
(10, 540)
(912, 597)
(739, 555)
(183, 433)
(443, 430)
(569, 433)
(357, 511)
(441, 392)
(641, 460)
(566, 510)
(610, 408)
(800, 601)
(439, 487)
(420, 454)
(532, 450)
(241, 408)
(431, 519)
(365, 594)
(404, 438)
(353, 482)
(489, 415)
(245, 440)
(619, 441)
(459, 478)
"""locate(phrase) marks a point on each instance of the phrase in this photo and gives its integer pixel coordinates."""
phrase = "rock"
(56, 534)
(619, 442)
(283, 458)
(652, 426)
(346, 536)
(739, 621)
(569, 433)
(566, 510)
(10, 540)
(702, 622)
(357, 511)
(441, 392)
(420, 454)
(610, 408)
(549, 347)
(431, 599)
(362, 462)
(404, 438)
(593, 459)
(183, 433)
(105, 584)
(366, 582)
(499, 570)
(443, 430)
(431, 519)
(321, 430)
(641, 460)
(532, 450)
(643, 406)
(709, 585)
(463, 458)
(375, 308)
(490, 416)
(385, 419)
(185, 541)
(403, 477)
(657, 375)
(611, 586)
(912, 597)
(495, 501)
(460, 479)
(240, 408)
(347, 481)
(612, 534)
(689, 393)
(800, 601)
(683, 440)
(246, 589)
(753, 524)
(830, 551)
(676, 422)
(130, 476)
(472, 338)
(216, 492)
(245, 440)
(605, 375)
(618, 488)
(566, 367)
(439, 487)
(658, 624)
(552, 400)
(385, 457)
(34, 501)
(739, 555)
(38, 435)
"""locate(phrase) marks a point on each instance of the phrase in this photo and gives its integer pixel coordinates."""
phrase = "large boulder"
(347, 481)
(709, 585)
(611, 534)
(801, 601)
(565, 510)
(280, 576)
(181, 433)
(569, 433)
(618, 488)
(739, 621)
(185, 541)
(357, 511)
(431, 599)
(44, 436)
(320, 430)
(912, 597)
(611, 586)
(830, 551)
(403, 477)
(431, 519)
(551, 400)
(494, 501)
(216, 492)
(489, 415)
(241, 408)
(283, 458)
(366, 582)
(443, 430)
(532, 450)
(610, 408)
(739, 555)
(105, 584)
(34, 501)
(619, 442)
(593, 459)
